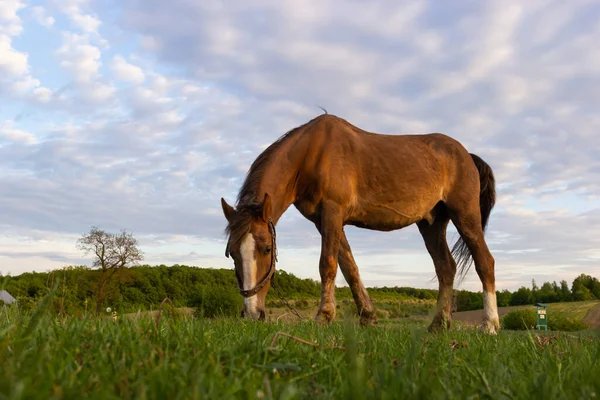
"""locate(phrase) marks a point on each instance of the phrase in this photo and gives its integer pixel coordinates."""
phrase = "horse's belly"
(386, 218)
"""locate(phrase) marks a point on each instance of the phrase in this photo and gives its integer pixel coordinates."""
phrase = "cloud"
(15, 74)
(74, 10)
(125, 71)
(79, 57)
(41, 16)
(154, 116)
(14, 63)
(15, 135)
(10, 23)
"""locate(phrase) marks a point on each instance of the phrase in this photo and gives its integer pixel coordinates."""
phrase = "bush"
(561, 323)
(303, 304)
(218, 302)
(520, 320)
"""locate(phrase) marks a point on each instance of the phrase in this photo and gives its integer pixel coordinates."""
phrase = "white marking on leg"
(490, 309)
(249, 273)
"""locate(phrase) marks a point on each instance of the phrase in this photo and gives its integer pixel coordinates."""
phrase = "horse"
(336, 174)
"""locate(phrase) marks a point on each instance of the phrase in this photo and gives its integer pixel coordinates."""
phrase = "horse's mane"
(248, 191)
(247, 205)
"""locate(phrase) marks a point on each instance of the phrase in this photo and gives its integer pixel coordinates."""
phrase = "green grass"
(42, 357)
(575, 309)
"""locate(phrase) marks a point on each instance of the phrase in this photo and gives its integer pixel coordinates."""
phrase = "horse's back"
(383, 181)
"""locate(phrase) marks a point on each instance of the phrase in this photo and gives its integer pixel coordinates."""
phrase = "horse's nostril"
(262, 315)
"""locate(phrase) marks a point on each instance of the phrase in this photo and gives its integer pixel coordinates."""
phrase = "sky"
(142, 114)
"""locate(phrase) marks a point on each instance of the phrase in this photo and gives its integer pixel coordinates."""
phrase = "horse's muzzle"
(261, 315)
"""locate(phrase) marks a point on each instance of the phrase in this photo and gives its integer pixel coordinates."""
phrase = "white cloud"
(79, 57)
(97, 92)
(85, 22)
(210, 87)
(15, 77)
(26, 84)
(14, 135)
(74, 9)
(42, 94)
(125, 71)
(10, 23)
(41, 16)
(14, 63)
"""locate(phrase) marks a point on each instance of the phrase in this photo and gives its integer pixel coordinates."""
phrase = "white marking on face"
(490, 306)
(249, 273)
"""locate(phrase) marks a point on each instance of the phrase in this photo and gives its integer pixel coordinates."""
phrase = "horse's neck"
(279, 181)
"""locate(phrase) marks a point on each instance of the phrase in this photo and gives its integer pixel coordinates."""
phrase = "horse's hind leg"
(468, 223)
(365, 308)
(445, 267)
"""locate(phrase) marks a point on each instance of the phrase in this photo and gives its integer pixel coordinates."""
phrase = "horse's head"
(252, 246)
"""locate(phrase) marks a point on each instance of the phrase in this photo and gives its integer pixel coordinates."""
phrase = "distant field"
(577, 310)
(414, 310)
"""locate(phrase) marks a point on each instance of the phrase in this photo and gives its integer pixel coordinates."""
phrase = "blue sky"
(142, 114)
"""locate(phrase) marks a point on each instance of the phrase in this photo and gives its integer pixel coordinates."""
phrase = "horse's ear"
(266, 207)
(227, 210)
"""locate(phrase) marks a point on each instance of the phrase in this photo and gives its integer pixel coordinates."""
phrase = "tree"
(565, 291)
(534, 291)
(112, 252)
(503, 298)
(586, 287)
(522, 296)
(546, 294)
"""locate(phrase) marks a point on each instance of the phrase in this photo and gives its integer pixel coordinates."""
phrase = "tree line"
(584, 287)
(115, 280)
(144, 287)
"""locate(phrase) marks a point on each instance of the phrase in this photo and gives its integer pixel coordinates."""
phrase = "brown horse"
(336, 174)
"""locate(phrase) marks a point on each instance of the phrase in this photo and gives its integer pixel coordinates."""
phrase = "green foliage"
(466, 300)
(503, 298)
(520, 320)
(144, 287)
(523, 296)
(559, 322)
(582, 293)
(215, 302)
(587, 286)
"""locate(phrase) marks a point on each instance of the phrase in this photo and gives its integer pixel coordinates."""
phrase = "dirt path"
(592, 317)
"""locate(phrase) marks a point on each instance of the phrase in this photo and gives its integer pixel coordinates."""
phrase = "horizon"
(338, 284)
(141, 115)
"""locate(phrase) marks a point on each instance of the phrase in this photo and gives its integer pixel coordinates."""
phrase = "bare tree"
(112, 252)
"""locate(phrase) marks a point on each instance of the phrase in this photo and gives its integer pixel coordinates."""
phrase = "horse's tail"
(487, 200)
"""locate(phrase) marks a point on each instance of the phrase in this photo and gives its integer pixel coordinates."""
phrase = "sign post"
(542, 316)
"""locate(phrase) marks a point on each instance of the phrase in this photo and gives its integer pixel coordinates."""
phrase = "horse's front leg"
(331, 232)
(365, 308)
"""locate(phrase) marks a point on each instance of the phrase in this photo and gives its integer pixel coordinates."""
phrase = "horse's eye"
(267, 250)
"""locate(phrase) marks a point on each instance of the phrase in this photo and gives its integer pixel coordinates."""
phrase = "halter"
(269, 275)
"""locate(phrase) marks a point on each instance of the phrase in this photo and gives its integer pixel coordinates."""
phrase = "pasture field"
(575, 309)
(43, 357)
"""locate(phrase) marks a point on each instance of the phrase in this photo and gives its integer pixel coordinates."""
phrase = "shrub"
(302, 304)
(561, 323)
(218, 302)
(520, 320)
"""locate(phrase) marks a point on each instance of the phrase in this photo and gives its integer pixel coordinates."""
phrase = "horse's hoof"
(368, 319)
(490, 327)
(439, 324)
(325, 316)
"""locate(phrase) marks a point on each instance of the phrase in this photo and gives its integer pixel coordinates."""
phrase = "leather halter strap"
(269, 275)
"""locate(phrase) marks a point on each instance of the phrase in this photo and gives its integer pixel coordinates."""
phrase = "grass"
(43, 357)
(575, 309)
(387, 310)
